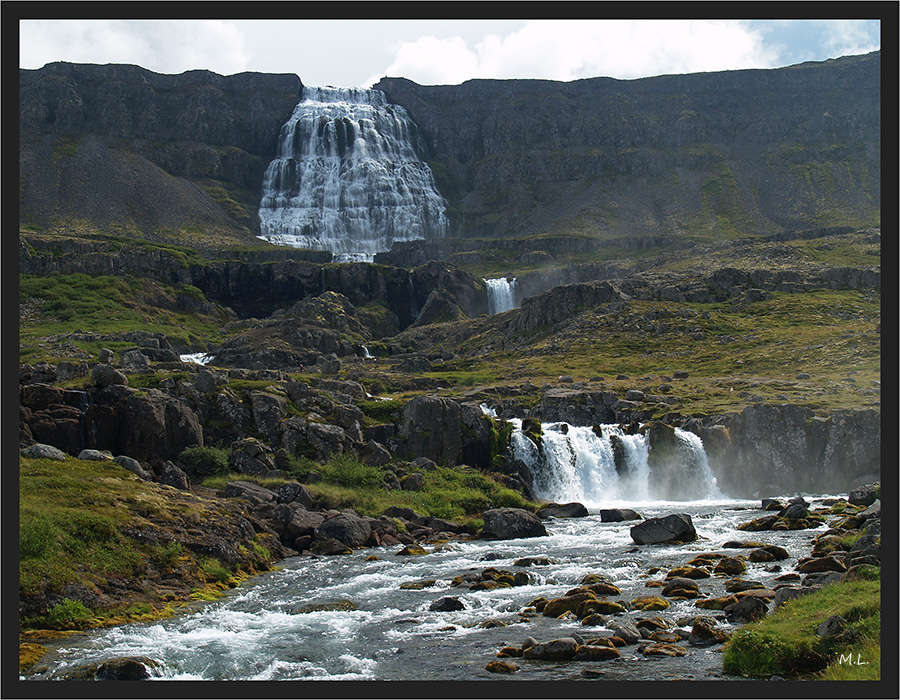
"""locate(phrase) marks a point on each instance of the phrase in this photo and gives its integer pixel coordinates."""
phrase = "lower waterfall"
(597, 466)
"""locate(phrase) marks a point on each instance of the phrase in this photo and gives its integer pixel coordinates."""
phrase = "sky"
(347, 53)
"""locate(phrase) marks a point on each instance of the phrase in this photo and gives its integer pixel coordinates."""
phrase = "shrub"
(346, 470)
(205, 461)
(68, 613)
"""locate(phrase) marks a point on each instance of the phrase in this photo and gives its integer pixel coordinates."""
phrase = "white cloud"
(849, 37)
(162, 46)
(572, 49)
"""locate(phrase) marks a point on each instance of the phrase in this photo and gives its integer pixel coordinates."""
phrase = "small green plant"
(68, 613)
(214, 570)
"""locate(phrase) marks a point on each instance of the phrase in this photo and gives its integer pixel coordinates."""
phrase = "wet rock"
(594, 652)
(447, 604)
(677, 527)
(570, 603)
(820, 564)
(511, 523)
(341, 604)
(556, 650)
(730, 566)
(125, 668)
(625, 631)
(329, 546)
(501, 667)
(705, 634)
(661, 649)
(617, 515)
(562, 510)
(649, 602)
(746, 610)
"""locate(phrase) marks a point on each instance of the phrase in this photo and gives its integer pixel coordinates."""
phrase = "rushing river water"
(257, 632)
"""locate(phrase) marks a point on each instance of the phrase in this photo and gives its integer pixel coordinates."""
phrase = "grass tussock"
(786, 643)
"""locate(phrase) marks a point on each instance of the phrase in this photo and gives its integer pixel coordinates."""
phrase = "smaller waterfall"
(603, 464)
(501, 294)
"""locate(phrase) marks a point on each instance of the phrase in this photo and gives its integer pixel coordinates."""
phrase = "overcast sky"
(359, 52)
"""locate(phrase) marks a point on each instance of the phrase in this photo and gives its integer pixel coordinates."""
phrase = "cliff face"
(130, 151)
(756, 150)
(181, 157)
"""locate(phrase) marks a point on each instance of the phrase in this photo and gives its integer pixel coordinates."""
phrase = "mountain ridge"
(598, 157)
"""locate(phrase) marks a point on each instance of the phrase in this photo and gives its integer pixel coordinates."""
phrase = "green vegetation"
(786, 643)
(74, 520)
(73, 303)
(453, 493)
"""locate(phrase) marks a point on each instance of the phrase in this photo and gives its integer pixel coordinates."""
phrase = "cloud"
(163, 46)
(849, 37)
(572, 49)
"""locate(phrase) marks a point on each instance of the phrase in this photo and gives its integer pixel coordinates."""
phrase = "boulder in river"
(562, 510)
(511, 523)
(618, 515)
(676, 527)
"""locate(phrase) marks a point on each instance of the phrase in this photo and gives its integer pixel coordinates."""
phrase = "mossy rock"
(730, 566)
(418, 585)
(649, 602)
(328, 606)
(412, 550)
(715, 603)
(661, 649)
(560, 606)
(501, 667)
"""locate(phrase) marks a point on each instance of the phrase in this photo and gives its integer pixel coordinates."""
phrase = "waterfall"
(501, 294)
(603, 464)
(348, 178)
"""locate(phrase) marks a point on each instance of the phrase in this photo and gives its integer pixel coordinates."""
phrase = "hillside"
(179, 159)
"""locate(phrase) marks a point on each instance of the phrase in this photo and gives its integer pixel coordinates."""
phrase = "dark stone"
(511, 523)
(616, 515)
(677, 527)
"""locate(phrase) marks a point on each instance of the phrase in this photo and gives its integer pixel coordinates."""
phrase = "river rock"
(501, 667)
(556, 650)
(447, 604)
(746, 610)
(596, 652)
(569, 603)
(511, 523)
(617, 515)
(819, 564)
(676, 527)
(562, 510)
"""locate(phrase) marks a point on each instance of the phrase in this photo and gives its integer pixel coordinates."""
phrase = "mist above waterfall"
(348, 178)
(603, 464)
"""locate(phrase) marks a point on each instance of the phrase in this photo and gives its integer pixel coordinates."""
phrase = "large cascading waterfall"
(348, 178)
(501, 294)
(603, 464)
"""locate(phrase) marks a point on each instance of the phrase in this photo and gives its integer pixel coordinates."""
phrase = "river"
(256, 632)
